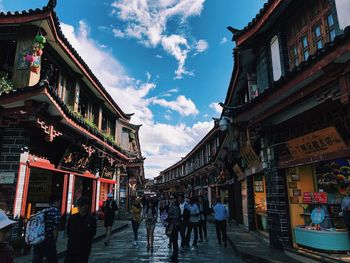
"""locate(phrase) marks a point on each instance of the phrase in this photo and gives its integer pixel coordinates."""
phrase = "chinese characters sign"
(319, 142)
(75, 159)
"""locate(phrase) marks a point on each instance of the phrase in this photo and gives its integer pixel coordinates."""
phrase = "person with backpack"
(81, 229)
(109, 208)
(47, 248)
(6, 251)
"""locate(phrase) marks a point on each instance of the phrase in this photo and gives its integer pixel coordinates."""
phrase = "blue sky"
(168, 61)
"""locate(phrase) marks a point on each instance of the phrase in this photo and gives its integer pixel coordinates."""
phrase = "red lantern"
(39, 52)
(34, 69)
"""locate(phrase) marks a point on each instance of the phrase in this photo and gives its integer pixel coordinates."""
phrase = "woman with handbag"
(150, 217)
(172, 230)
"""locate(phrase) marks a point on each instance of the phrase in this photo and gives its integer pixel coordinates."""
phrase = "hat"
(110, 195)
(83, 201)
(4, 220)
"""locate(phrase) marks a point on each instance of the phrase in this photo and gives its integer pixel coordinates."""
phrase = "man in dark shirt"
(81, 229)
(109, 208)
(47, 248)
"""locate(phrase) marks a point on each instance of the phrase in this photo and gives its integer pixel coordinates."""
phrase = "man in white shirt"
(185, 216)
(193, 222)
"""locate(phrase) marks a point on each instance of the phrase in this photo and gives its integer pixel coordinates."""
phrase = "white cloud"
(343, 9)
(216, 107)
(162, 144)
(223, 40)
(118, 33)
(202, 46)
(146, 21)
(182, 105)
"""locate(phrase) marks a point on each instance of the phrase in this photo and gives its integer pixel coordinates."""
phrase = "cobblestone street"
(121, 249)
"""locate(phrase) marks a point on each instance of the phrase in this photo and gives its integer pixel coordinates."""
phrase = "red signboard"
(316, 197)
(320, 198)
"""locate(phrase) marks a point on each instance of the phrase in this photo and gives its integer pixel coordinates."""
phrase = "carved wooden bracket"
(48, 129)
(90, 150)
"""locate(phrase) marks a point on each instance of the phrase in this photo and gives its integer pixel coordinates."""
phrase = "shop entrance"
(260, 204)
(82, 187)
(43, 184)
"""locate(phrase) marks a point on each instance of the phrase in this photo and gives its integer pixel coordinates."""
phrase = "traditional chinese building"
(200, 172)
(288, 108)
(61, 132)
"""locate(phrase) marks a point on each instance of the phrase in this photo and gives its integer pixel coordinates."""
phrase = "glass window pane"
(304, 41)
(295, 52)
(319, 44)
(330, 20)
(317, 31)
(332, 34)
(306, 55)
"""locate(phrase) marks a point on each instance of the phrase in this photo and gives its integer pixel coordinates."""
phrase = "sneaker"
(200, 240)
(135, 243)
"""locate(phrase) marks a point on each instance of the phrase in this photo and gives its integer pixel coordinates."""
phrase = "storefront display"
(322, 225)
(260, 203)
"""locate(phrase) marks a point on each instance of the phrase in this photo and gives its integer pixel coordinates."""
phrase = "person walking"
(220, 215)
(81, 229)
(136, 220)
(193, 222)
(202, 220)
(174, 216)
(109, 208)
(47, 248)
(150, 217)
(6, 251)
(184, 219)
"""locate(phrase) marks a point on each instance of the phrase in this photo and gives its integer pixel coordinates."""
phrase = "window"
(276, 58)
(305, 46)
(330, 27)
(294, 55)
(318, 37)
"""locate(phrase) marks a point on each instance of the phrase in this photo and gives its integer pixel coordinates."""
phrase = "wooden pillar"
(100, 113)
(64, 194)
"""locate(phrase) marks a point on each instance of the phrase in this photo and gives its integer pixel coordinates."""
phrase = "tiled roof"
(50, 7)
(255, 19)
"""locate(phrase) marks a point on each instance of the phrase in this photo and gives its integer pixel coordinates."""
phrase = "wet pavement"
(121, 249)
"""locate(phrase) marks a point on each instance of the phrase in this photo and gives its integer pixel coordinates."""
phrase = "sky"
(167, 61)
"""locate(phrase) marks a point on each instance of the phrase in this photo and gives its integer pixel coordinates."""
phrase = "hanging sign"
(249, 156)
(107, 173)
(75, 159)
(316, 143)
